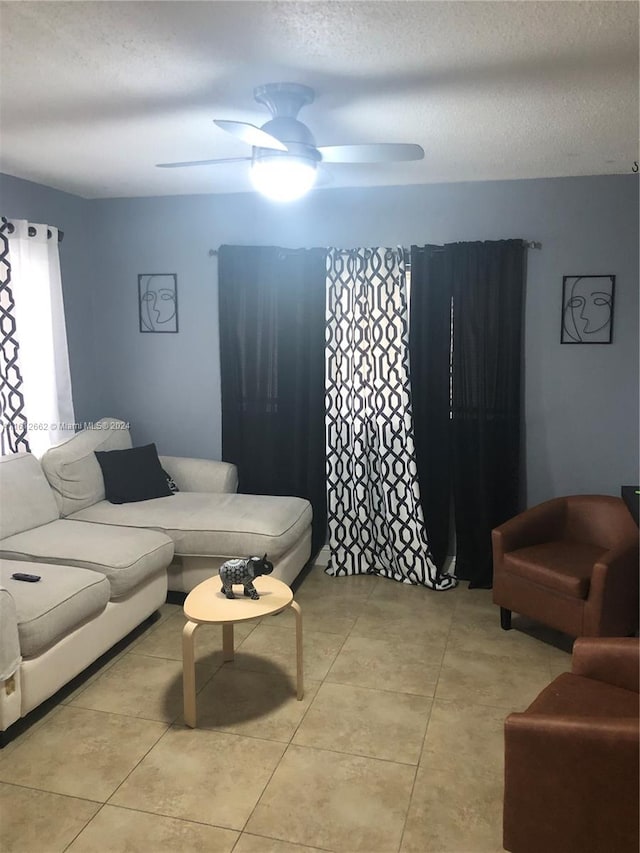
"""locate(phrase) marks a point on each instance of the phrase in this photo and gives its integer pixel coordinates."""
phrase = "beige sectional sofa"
(106, 567)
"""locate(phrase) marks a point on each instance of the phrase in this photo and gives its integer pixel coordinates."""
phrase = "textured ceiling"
(93, 94)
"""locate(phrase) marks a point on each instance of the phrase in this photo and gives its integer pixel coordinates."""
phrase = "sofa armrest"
(9, 640)
(200, 475)
(614, 660)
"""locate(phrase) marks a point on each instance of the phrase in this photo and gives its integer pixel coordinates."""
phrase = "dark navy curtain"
(272, 337)
(430, 355)
(467, 311)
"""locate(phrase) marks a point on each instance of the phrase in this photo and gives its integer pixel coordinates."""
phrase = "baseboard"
(323, 557)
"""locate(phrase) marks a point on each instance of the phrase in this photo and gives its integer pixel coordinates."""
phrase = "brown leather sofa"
(571, 759)
(570, 563)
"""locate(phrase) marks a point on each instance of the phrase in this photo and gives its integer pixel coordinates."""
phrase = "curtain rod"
(31, 231)
(528, 244)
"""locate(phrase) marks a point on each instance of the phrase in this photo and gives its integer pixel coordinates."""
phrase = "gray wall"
(581, 402)
(25, 200)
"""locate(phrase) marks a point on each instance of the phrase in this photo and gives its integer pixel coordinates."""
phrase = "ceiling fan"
(285, 158)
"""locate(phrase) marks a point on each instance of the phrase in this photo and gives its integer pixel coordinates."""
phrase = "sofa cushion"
(565, 567)
(133, 475)
(60, 602)
(72, 468)
(216, 525)
(127, 556)
(25, 496)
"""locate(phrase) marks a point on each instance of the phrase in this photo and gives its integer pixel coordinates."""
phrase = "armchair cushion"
(563, 566)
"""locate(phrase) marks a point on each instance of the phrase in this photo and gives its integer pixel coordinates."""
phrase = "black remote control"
(22, 576)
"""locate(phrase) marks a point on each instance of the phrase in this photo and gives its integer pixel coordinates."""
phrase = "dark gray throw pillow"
(133, 475)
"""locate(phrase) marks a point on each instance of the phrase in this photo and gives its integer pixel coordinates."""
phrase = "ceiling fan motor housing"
(284, 101)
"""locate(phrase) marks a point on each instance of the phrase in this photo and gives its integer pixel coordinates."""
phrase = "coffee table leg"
(299, 672)
(227, 641)
(189, 674)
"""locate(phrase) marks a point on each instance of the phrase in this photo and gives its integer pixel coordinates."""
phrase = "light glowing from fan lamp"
(283, 178)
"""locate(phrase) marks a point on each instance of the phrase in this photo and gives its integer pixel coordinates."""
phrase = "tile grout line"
(28, 733)
(116, 658)
(137, 764)
(102, 805)
(426, 731)
(53, 793)
(289, 742)
(188, 820)
(66, 701)
(305, 847)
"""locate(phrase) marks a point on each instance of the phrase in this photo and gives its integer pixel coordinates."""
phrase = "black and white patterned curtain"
(36, 389)
(13, 421)
(375, 518)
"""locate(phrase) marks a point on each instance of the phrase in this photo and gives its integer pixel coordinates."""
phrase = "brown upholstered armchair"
(571, 759)
(570, 563)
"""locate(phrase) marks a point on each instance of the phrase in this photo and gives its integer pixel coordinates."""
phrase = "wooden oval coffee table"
(206, 605)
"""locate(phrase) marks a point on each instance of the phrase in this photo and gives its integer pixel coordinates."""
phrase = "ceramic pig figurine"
(243, 571)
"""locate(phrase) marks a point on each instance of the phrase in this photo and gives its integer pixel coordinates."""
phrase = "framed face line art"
(587, 309)
(158, 302)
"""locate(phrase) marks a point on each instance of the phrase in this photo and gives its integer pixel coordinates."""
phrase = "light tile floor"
(397, 746)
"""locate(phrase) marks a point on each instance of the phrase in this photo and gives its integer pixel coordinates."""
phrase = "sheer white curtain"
(41, 332)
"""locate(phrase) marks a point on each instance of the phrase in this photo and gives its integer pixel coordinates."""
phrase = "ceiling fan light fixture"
(283, 178)
(285, 156)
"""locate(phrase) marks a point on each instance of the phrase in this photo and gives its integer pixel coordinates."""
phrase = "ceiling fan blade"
(250, 134)
(383, 152)
(203, 162)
